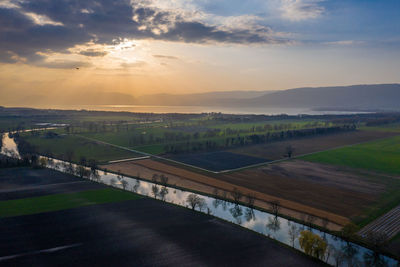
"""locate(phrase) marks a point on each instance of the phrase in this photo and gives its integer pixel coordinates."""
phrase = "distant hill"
(199, 99)
(355, 97)
(379, 96)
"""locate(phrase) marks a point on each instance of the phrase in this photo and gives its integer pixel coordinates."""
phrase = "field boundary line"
(236, 169)
(149, 155)
(130, 159)
(303, 155)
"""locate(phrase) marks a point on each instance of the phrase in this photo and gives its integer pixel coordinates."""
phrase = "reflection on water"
(9, 147)
(338, 252)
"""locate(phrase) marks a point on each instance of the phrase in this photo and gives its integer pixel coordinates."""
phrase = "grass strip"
(17, 207)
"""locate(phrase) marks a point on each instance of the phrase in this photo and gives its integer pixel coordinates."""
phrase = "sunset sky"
(183, 46)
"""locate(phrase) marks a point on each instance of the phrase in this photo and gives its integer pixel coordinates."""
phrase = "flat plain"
(138, 232)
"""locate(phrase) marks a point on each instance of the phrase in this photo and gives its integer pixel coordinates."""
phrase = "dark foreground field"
(139, 232)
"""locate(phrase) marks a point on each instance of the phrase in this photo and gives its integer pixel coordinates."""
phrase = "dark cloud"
(103, 22)
(62, 64)
(93, 53)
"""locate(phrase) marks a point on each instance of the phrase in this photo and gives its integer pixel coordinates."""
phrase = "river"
(339, 252)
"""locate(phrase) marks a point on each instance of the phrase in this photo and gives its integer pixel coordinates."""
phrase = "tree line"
(253, 139)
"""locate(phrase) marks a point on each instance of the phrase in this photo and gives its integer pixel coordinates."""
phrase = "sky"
(143, 47)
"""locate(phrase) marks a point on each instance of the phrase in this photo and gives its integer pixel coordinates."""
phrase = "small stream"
(338, 253)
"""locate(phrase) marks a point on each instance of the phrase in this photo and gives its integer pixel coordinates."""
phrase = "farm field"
(277, 150)
(154, 138)
(18, 207)
(359, 196)
(380, 156)
(218, 160)
(207, 182)
(342, 192)
(133, 231)
(63, 144)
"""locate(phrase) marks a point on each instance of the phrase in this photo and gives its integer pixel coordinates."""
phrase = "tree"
(273, 224)
(81, 171)
(293, 233)
(250, 200)
(289, 151)
(155, 177)
(82, 161)
(349, 230)
(124, 184)
(310, 220)
(43, 162)
(163, 179)
(154, 190)
(136, 186)
(312, 244)
(202, 204)
(275, 207)
(193, 200)
(163, 192)
(236, 195)
(378, 240)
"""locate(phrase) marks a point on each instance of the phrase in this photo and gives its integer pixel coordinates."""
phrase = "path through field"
(388, 224)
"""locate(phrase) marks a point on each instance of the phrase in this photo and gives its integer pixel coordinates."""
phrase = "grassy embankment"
(56, 202)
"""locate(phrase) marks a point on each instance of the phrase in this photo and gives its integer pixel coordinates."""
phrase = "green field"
(151, 138)
(392, 127)
(381, 156)
(56, 202)
(81, 147)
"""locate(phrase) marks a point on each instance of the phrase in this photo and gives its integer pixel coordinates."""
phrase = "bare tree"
(273, 224)
(311, 219)
(163, 179)
(293, 233)
(215, 191)
(154, 190)
(275, 207)
(236, 195)
(289, 151)
(136, 186)
(124, 183)
(202, 204)
(250, 200)
(163, 192)
(325, 222)
(193, 200)
(155, 177)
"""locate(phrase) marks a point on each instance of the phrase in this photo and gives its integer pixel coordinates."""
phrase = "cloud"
(28, 27)
(297, 10)
(93, 53)
(165, 57)
(344, 42)
(62, 64)
(137, 64)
